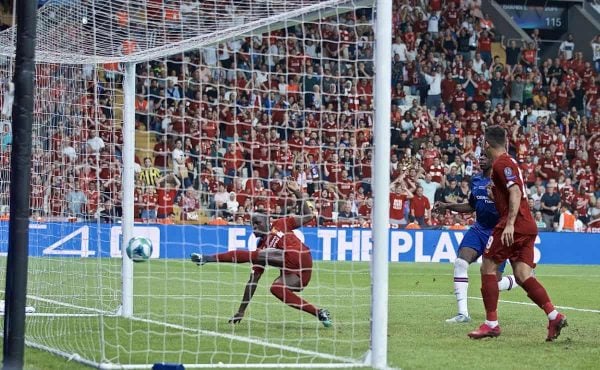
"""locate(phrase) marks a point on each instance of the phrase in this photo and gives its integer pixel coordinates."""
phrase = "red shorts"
(298, 262)
(520, 251)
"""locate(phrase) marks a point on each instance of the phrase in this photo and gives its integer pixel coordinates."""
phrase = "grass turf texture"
(192, 298)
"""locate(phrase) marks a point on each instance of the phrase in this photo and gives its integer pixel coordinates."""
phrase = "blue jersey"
(485, 209)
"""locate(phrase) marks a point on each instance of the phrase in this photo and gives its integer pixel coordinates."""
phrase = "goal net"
(227, 102)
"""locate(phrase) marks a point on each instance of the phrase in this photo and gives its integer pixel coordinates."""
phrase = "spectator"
(166, 192)
(567, 47)
(346, 216)
(595, 43)
(108, 213)
(537, 197)
(232, 204)
(420, 208)
(594, 211)
(399, 194)
(219, 201)
(76, 202)
(550, 204)
(149, 174)
(434, 94)
(190, 205)
(429, 187)
(539, 221)
(149, 205)
(566, 219)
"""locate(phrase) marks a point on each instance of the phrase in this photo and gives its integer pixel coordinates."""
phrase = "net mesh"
(235, 97)
(92, 31)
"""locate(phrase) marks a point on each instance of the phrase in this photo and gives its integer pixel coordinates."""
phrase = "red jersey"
(397, 206)
(506, 173)
(297, 254)
(282, 237)
(418, 204)
(166, 200)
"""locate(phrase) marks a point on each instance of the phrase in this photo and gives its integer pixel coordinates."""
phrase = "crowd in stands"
(236, 121)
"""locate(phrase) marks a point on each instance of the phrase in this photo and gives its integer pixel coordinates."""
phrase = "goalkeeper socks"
(461, 284)
(508, 282)
(537, 293)
(490, 294)
(237, 256)
(292, 299)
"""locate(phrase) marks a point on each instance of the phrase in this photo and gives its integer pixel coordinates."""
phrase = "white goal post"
(87, 309)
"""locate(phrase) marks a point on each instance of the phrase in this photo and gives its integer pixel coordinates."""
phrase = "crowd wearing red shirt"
(245, 115)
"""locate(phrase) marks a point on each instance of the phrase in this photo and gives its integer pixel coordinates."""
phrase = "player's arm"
(514, 200)
(456, 207)
(248, 294)
(306, 208)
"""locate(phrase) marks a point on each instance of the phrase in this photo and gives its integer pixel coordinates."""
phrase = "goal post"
(128, 185)
(20, 166)
(119, 82)
(381, 191)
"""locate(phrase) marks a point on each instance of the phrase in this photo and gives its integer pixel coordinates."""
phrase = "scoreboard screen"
(529, 17)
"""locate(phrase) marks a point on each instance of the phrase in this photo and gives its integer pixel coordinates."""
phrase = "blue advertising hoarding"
(329, 244)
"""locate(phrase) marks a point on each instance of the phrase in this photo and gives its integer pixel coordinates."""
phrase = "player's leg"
(284, 288)
(506, 282)
(269, 256)
(490, 294)
(466, 256)
(523, 266)
(295, 276)
(234, 256)
(495, 253)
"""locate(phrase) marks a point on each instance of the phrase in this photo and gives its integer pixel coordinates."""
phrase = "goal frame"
(377, 356)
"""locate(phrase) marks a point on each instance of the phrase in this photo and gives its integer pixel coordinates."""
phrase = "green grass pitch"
(182, 313)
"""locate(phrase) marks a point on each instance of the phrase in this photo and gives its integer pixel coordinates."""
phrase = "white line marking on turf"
(568, 308)
(211, 333)
(250, 340)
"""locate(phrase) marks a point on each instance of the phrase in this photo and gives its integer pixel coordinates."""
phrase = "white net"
(229, 97)
(92, 31)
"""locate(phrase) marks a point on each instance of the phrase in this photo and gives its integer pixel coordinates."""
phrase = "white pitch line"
(252, 341)
(50, 314)
(568, 308)
(211, 333)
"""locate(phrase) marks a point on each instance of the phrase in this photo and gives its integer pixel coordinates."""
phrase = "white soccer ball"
(139, 249)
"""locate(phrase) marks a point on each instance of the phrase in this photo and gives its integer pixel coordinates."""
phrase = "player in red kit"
(512, 239)
(278, 247)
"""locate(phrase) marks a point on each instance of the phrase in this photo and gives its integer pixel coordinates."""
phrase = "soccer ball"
(139, 249)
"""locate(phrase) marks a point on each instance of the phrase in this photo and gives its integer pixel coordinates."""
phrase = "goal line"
(340, 362)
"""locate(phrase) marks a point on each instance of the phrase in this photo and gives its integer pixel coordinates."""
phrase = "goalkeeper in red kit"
(278, 247)
(512, 238)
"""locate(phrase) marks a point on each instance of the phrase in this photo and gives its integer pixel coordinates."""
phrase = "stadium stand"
(220, 129)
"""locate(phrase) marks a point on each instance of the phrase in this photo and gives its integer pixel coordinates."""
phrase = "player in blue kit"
(475, 240)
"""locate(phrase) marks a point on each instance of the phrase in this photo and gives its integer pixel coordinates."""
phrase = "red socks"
(237, 256)
(490, 294)
(537, 293)
(291, 299)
